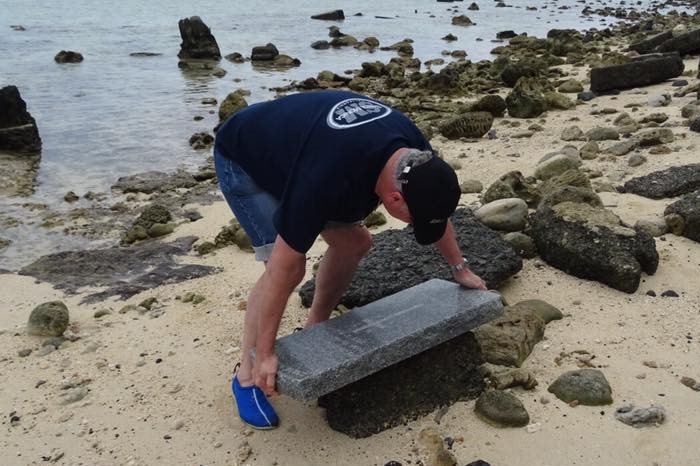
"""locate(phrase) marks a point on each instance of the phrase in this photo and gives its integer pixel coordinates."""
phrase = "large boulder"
(396, 254)
(683, 43)
(266, 52)
(650, 43)
(197, 40)
(526, 99)
(591, 242)
(672, 182)
(18, 130)
(642, 71)
(68, 56)
(688, 208)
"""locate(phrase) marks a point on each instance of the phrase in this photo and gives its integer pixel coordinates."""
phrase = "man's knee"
(356, 240)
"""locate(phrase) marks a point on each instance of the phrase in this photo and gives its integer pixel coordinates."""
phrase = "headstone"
(348, 348)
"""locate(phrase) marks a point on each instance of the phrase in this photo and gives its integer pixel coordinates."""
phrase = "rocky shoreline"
(580, 198)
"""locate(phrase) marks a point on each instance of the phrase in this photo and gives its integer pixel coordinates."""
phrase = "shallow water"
(114, 114)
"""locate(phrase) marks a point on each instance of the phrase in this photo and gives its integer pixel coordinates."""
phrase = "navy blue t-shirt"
(319, 153)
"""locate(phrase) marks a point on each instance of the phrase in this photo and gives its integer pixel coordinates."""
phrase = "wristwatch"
(461, 266)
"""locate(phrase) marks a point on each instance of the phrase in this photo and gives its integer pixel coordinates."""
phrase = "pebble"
(23, 353)
(178, 424)
(74, 395)
(44, 350)
(534, 427)
(101, 313)
(640, 417)
(636, 160)
(691, 383)
(669, 294)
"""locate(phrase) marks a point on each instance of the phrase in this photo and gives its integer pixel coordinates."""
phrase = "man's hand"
(469, 279)
(265, 373)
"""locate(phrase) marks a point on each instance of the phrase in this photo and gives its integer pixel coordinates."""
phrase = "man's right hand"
(265, 373)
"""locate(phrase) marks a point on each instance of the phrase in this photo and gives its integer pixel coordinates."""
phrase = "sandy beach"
(154, 388)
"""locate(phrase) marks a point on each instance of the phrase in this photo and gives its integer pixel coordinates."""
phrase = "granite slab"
(342, 350)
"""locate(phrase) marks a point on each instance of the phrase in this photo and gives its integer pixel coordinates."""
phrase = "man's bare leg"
(346, 247)
(250, 330)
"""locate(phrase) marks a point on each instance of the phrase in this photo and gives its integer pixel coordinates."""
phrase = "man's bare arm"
(448, 247)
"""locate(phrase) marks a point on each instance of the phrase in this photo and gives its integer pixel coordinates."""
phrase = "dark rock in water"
(335, 15)
(688, 207)
(48, 319)
(649, 44)
(235, 57)
(396, 254)
(642, 71)
(450, 37)
(397, 394)
(18, 131)
(683, 44)
(501, 409)
(124, 272)
(71, 197)
(640, 417)
(591, 242)
(473, 7)
(509, 340)
(154, 181)
(563, 34)
(68, 56)
(672, 182)
(492, 103)
(506, 34)
(462, 20)
(467, 125)
(197, 40)
(321, 45)
(264, 52)
(201, 140)
(231, 104)
(587, 386)
(144, 54)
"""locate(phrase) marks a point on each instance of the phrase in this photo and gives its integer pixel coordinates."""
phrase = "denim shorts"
(253, 207)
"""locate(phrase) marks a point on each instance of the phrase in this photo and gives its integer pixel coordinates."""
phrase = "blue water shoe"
(253, 407)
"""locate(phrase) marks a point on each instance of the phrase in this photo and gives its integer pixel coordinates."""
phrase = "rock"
(18, 130)
(659, 100)
(509, 340)
(591, 242)
(501, 409)
(556, 165)
(23, 353)
(654, 117)
(488, 255)
(197, 40)
(74, 395)
(675, 223)
(512, 72)
(119, 271)
(474, 7)
(335, 15)
(642, 71)
(154, 181)
(231, 104)
(467, 125)
(504, 214)
(449, 38)
(264, 52)
(672, 182)
(375, 219)
(558, 101)
(541, 309)
(649, 44)
(48, 319)
(526, 99)
(506, 34)
(45, 350)
(586, 96)
(688, 208)
(570, 86)
(101, 313)
(690, 383)
(682, 44)
(586, 386)
(471, 186)
(636, 160)
(624, 119)
(695, 125)
(161, 229)
(396, 394)
(603, 134)
(623, 147)
(492, 103)
(202, 140)
(654, 227)
(70, 196)
(513, 184)
(501, 377)
(233, 234)
(589, 150)
(572, 133)
(433, 448)
(462, 20)
(640, 417)
(68, 56)
(152, 215)
(235, 57)
(193, 298)
(321, 45)
(521, 244)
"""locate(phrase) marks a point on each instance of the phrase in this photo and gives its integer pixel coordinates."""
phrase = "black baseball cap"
(431, 191)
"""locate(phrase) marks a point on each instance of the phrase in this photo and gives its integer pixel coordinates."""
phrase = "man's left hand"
(469, 279)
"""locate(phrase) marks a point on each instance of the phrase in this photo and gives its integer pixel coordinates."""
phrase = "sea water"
(115, 114)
